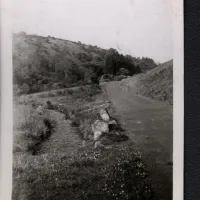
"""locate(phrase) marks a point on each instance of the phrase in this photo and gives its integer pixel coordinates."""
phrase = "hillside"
(155, 84)
(44, 63)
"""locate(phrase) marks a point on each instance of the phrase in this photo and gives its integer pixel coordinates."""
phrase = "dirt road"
(150, 126)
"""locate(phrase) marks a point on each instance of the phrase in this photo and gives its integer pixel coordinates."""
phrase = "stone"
(112, 122)
(97, 135)
(104, 115)
(98, 128)
(98, 144)
(101, 126)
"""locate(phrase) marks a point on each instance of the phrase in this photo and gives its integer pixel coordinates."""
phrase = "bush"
(35, 88)
(85, 129)
(114, 61)
(70, 91)
(16, 90)
(51, 94)
(123, 71)
(25, 89)
(59, 92)
(119, 78)
(33, 131)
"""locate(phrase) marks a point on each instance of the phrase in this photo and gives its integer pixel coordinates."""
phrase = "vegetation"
(45, 63)
(114, 62)
(68, 74)
(34, 129)
(156, 84)
(115, 173)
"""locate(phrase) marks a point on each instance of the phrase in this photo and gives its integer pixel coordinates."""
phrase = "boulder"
(97, 135)
(112, 122)
(101, 126)
(104, 115)
(98, 128)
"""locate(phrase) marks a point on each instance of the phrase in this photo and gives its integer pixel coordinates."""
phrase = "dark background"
(192, 98)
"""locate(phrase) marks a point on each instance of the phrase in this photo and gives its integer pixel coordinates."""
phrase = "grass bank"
(115, 173)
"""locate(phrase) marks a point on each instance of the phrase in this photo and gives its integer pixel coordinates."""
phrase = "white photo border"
(7, 100)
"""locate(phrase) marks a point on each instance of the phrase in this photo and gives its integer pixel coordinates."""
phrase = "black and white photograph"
(92, 84)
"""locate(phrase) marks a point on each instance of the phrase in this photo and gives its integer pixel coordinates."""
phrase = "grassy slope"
(42, 59)
(115, 173)
(74, 172)
(28, 47)
(46, 57)
(156, 84)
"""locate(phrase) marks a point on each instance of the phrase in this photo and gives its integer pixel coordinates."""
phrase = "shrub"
(70, 91)
(85, 128)
(119, 78)
(59, 92)
(16, 90)
(33, 130)
(35, 88)
(25, 89)
(123, 71)
(51, 94)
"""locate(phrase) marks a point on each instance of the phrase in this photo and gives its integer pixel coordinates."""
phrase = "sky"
(141, 28)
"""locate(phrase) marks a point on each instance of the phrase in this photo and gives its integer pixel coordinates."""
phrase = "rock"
(98, 144)
(112, 122)
(104, 115)
(97, 135)
(39, 107)
(100, 126)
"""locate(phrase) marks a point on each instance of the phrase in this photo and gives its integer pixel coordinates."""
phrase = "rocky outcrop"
(98, 128)
(104, 115)
(105, 127)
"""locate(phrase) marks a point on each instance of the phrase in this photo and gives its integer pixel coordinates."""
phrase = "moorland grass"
(114, 173)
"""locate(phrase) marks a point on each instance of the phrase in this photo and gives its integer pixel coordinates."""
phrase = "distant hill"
(44, 63)
(155, 84)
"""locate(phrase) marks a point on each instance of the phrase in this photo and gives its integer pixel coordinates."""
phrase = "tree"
(123, 71)
(25, 88)
(83, 57)
(114, 61)
(108, 67)
(35, 88)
